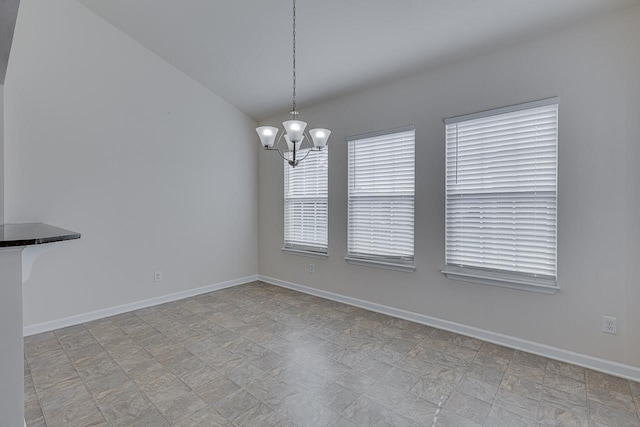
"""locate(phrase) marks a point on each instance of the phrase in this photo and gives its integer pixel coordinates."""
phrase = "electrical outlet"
(609, 325)
(312, 268)
(157, 276)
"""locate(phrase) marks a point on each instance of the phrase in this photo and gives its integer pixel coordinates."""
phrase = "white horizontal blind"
(501, 179)
(382, 196)
(306, 203)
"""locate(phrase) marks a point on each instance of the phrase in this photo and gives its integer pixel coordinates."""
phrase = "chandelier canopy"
(294, 129)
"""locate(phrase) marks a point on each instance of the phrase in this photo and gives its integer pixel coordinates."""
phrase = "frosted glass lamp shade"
(295, 129)
(267, 135)
(290, 143)
(320, 137)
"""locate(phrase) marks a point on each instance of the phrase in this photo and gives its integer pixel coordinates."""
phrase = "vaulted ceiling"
(8, 14)
(241, 49)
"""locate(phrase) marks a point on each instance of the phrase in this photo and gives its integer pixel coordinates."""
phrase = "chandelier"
(294, 128)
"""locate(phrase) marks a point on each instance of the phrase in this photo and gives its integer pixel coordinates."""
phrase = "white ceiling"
(241, 49)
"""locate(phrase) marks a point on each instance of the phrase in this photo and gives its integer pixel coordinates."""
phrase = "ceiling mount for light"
(294, 128)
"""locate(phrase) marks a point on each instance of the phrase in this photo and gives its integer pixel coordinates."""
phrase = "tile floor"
(259, 355)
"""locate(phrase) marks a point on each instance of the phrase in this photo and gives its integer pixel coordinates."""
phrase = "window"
(382, 199)
(306, 203)
(501, 178)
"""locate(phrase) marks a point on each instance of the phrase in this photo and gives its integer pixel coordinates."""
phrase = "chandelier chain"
(294, 55)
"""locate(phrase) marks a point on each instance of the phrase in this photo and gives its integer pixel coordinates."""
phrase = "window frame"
(508, 279)
(399, 263)
(302, 249)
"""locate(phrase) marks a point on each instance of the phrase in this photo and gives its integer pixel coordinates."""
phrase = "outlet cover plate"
(609, 325)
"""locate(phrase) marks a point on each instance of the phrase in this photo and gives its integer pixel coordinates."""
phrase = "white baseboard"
(100, 314)
(602, 365)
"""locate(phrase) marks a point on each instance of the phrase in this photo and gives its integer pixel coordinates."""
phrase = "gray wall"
(594, 68)
(106, 138)
(1, 154)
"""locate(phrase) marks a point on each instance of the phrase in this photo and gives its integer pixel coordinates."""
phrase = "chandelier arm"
(309, 142)
(306, 155)
(277, 146)
(281, 154)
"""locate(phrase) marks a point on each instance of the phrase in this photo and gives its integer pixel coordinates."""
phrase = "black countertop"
(35, 233)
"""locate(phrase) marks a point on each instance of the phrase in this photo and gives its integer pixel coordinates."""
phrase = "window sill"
(302, 252)
(380, 264)
(503, 282)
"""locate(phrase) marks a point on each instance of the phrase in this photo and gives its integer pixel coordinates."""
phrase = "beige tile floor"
(259, 355)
